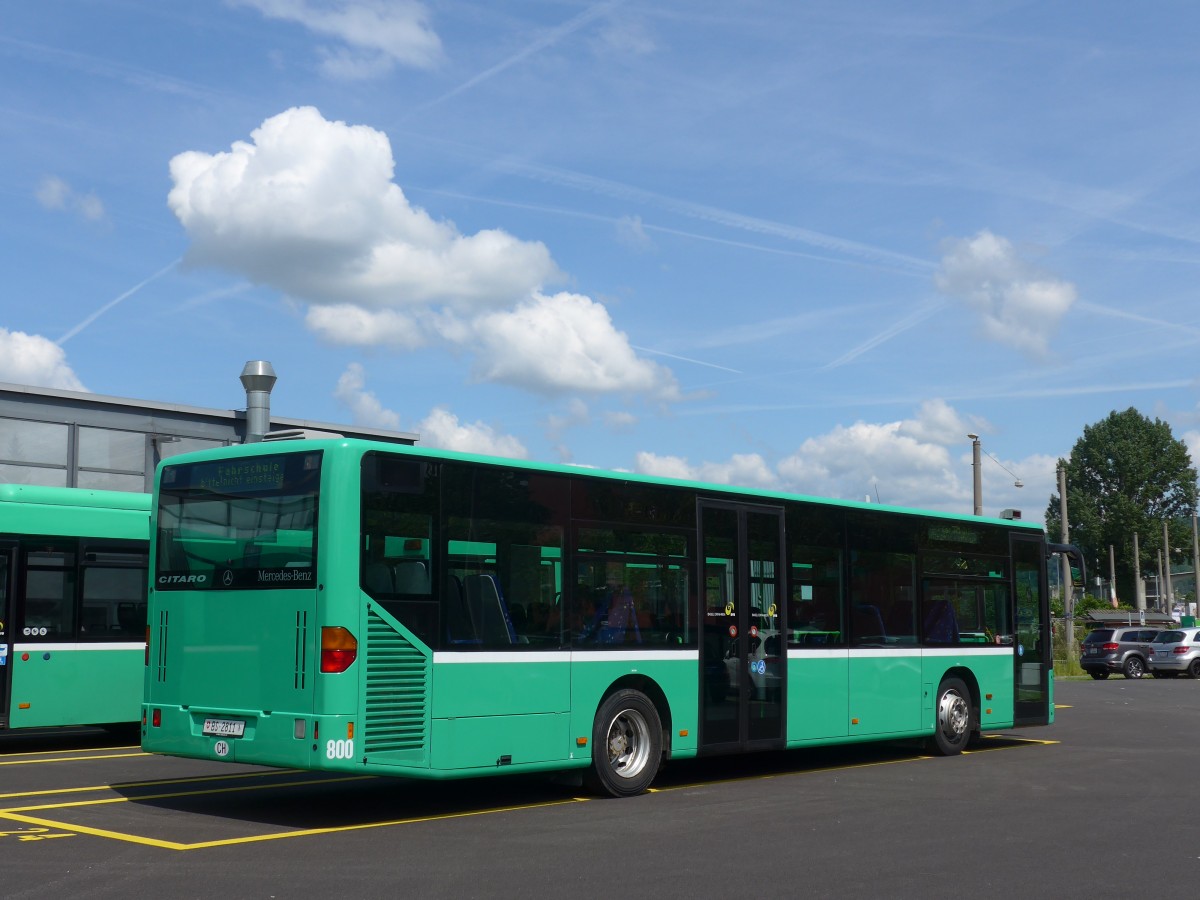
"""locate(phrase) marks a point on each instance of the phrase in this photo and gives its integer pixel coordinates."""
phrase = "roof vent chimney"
(258, 377)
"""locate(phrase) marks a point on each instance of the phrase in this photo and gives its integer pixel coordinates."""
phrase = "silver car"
(1175, 651)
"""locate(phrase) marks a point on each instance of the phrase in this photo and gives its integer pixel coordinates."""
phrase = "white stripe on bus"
(82, 645)
(562, 656)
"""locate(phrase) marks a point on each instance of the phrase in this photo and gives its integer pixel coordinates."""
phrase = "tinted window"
(249, 522)
(1169, 637)
(1099, 636)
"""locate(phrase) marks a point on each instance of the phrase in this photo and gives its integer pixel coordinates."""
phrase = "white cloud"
(31, 359)
(565, 342)
(1019, 306)
(902, 463)
(743, 469)
(1191, 440)
(351, 325)
(373, 35)
(938, 422)
(873, 459)
(620, 420)
(309, 207)
(363, 404)
(631, 233)
(54, 193)
(624, 36)
(441, 428)
(575, 414)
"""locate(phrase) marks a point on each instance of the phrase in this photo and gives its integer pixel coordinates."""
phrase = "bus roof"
(65, 496)
(73, 512)
(355, 445)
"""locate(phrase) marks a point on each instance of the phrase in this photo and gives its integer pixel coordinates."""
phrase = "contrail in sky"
(111, 303)
(553, 36)
(912, 319)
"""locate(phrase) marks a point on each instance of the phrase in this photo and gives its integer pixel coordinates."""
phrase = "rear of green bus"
(242, 650)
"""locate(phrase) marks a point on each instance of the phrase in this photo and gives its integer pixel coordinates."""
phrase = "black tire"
(953, 721)
(626, 745)
(1193, 670)
(1099, 676)
(1135, 667)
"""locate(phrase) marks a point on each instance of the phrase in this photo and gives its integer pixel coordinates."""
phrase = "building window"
(34, 452)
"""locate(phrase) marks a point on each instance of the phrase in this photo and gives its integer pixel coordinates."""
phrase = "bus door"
(8, 603)
(1032, 659)
(743, 663)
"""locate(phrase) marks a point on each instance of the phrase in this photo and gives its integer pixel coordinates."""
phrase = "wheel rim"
(954, 716)
(628, 744)
(1135, 667)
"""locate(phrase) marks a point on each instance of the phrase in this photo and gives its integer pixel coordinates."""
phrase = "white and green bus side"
(72, 605)
(345, 605)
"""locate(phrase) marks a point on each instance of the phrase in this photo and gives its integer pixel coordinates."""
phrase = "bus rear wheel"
(626, 745)
(952, 726)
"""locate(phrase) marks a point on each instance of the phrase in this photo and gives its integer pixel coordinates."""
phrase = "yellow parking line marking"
(81, 750)
(176, 794)
(254, 839)
(62, 759)
(18, 814)
(135, 784)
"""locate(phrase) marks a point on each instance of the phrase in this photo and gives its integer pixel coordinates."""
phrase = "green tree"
(1126, 474)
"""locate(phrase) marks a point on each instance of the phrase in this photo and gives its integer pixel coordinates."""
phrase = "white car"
(1175, 651)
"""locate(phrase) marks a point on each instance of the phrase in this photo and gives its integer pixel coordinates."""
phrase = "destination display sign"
(285, 473)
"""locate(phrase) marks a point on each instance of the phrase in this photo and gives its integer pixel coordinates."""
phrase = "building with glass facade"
(78, 439)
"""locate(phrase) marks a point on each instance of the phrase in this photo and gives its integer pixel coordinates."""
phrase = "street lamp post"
(977, 473)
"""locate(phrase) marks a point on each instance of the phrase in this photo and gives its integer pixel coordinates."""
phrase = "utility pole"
(1064, 563)
(1169, 605)
(1195, 565)
(1158, 585)
(1112, 576)
(1139, 590)
(977, 474)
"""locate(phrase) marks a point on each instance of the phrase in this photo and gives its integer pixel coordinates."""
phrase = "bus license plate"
(224, 727)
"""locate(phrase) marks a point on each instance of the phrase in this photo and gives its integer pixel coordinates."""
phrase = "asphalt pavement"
(1097, 805)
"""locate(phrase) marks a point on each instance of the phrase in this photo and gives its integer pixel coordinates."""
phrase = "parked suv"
(1124, 650)
(1175, 651)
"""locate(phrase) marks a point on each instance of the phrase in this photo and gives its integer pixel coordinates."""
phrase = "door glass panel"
(5, 650)
(743, 655)
(722, 675)
(765, 656)
(1031, 657)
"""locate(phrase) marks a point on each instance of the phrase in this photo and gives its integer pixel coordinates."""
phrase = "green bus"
(73, 576)
(355, 606)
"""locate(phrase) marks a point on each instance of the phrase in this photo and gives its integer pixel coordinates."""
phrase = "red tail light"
(1184, 648)
(1110, 646)
(339, 649)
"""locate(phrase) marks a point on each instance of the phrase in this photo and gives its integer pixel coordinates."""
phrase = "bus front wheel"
(626, 745)
(952, 728)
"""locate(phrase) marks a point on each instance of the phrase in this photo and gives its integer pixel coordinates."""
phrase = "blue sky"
(805, 246)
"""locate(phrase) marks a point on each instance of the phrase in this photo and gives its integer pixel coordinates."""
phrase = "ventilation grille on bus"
(397, 690)
(300, 677)
(160, 659)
